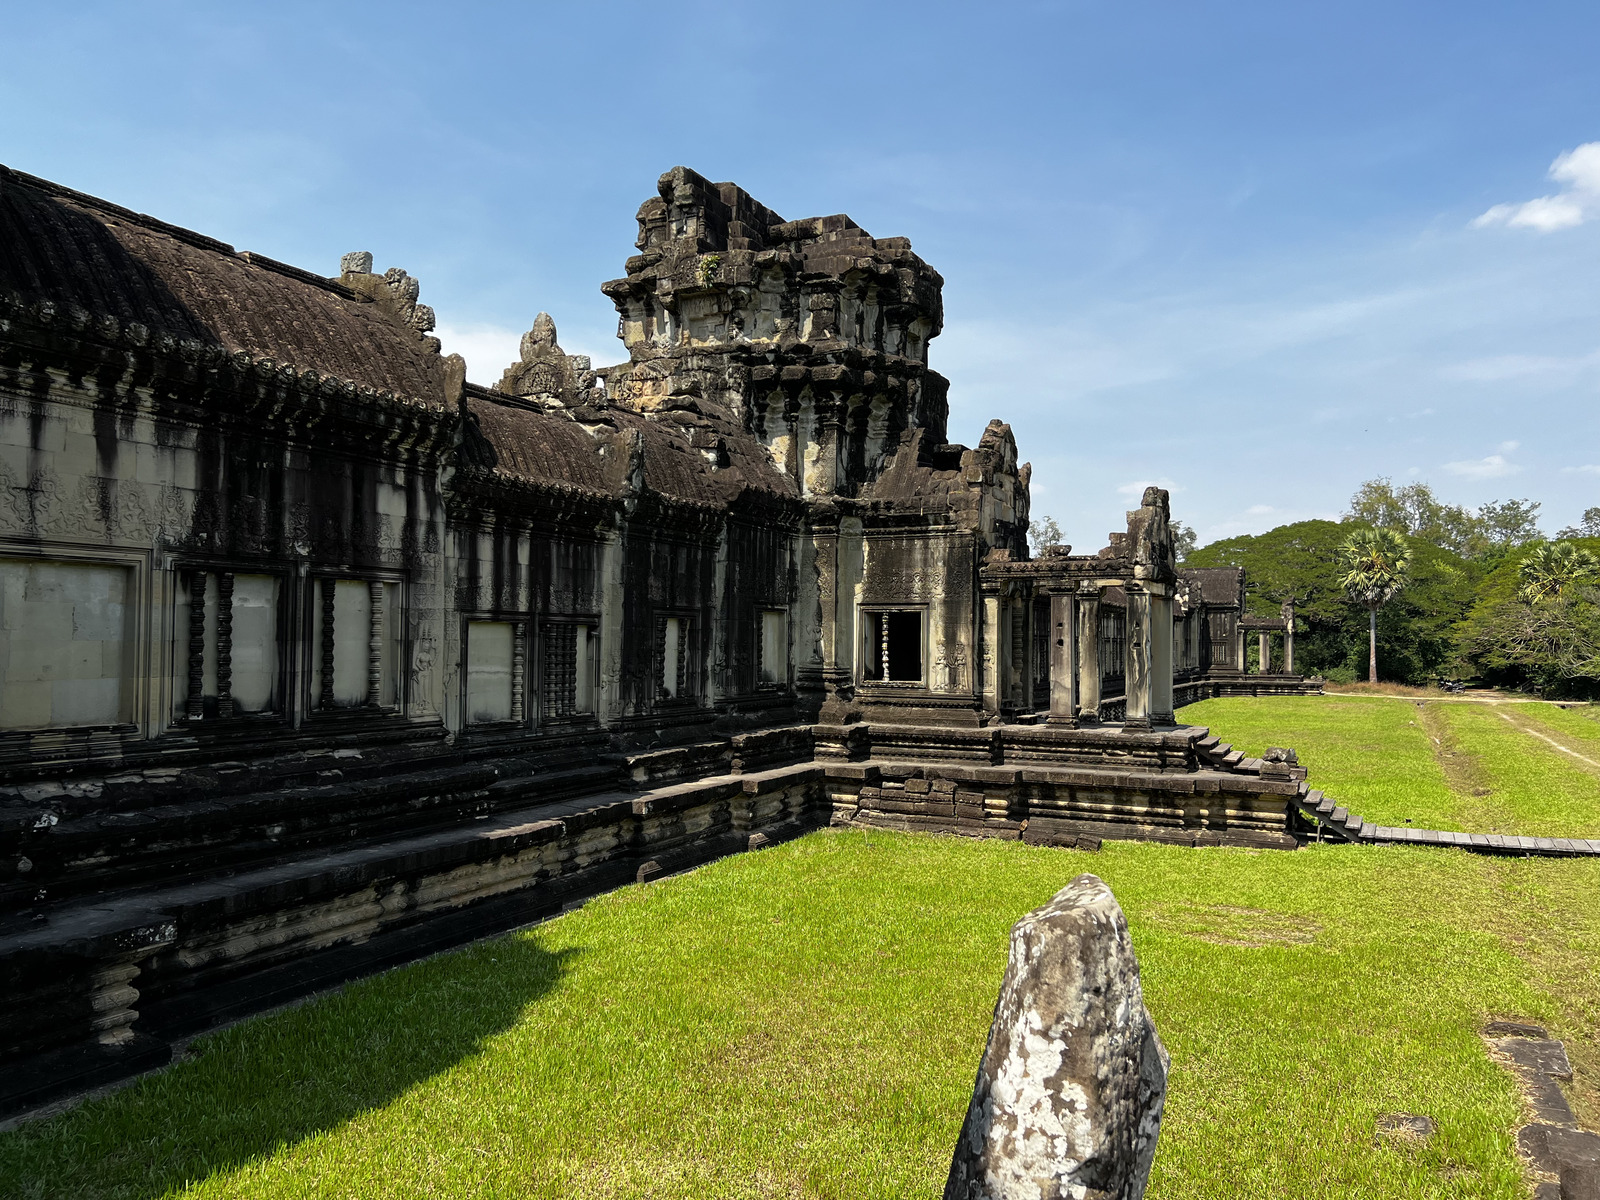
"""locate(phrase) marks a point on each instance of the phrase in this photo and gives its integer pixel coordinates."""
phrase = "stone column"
(1138, 662)
(374, 643)
(1238, 648)
(1288, 638)
(1264, 641)
(1089, 654)
(225, 644)
(1161, 660)
(994, 651)
(1018, 677)
(1063, 657)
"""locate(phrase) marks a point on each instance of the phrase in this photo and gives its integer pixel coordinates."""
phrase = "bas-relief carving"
(423, 655)
(250, 529)
(950, 667)
(176, 512)
(30, 505)
(93, 509)
(134, 505)
(300, 527)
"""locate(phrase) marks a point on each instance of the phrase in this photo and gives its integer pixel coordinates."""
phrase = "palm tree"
(1552, 567)
(1377, 563)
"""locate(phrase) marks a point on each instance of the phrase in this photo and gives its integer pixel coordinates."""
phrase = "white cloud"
(488, 349)
(1501, 367)
(1576, 203)
(1135, 491)
(1259, 510)
(1508, 447)
(1492, 467)
(1586, 469)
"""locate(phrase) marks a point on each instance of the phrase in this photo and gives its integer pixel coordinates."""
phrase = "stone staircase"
(1326, 820)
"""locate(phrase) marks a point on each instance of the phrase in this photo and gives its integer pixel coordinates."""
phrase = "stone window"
(496, 666)
(1041, 651)
(893, 650)
(772, 667)
(674, 679)
(1113, 642)
(63, 644)
(356, 643)
(225, 645)
(571, 669)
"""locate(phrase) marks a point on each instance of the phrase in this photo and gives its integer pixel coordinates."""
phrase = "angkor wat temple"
(316, 657)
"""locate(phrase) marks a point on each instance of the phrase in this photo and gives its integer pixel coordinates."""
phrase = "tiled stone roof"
(74, 250)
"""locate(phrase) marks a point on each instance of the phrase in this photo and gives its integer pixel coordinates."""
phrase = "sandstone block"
(1068, 1099)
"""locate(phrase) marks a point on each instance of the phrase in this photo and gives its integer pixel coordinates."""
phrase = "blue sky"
(1257, 252)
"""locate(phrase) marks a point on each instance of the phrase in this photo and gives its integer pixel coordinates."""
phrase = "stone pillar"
(1063, 657)
(1240, 661)
(1161, 660)
(1264, 642)
(1288, 638)
(1021, 688)
(994, 651)
(1137, 661)
(1089, 654)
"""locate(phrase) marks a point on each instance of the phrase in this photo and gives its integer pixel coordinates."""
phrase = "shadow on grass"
(276, 1080)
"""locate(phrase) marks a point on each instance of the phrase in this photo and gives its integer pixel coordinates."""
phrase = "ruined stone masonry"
(1070, 1091)
(316, 656)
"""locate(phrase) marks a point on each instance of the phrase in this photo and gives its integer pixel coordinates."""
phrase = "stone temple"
(316, 657)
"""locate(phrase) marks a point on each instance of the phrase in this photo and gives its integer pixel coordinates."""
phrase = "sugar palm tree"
(1377, 565)
(1552, 567)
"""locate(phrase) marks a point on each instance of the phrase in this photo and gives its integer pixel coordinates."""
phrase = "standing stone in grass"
(1068, 1100)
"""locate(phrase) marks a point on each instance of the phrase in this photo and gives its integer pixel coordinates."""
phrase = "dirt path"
(1544, 737)
(1448, 699)
(1464, 772)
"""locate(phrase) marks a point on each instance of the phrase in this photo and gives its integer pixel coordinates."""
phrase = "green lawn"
(1441, 764)
(1374, 756)
(806, 1022)
(1578, 727)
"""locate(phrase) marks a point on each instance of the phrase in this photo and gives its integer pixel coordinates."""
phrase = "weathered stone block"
(1069, 1094)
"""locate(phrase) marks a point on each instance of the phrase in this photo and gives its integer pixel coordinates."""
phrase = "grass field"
(806, 1022)
(1439, 764)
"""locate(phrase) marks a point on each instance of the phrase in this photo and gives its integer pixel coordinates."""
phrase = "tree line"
(1413, 589)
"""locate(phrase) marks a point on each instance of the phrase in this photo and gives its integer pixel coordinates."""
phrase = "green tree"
(1588, 525)
(1552, 568)
(1377, 563)
(1413, 510)
(1184, 539)
(1504, 525)
(1552, 646)
(1302, 562)
(1041, 533)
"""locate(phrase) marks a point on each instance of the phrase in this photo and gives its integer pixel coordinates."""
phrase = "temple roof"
(600, 450)
(1218, 585)
(70, 249)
